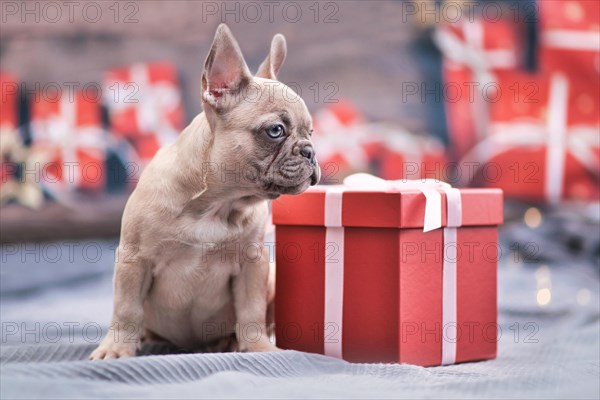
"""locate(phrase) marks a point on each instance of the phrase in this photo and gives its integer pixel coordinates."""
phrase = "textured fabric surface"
(549, 351)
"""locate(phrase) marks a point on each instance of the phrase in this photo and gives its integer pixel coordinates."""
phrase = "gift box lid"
(386, 209)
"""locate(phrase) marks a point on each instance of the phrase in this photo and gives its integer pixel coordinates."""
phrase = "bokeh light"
(544, 285)
(544, 296)
(533, 217)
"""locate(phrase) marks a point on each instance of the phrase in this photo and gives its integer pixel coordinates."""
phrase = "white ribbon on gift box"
(334, 268)
(578, 141)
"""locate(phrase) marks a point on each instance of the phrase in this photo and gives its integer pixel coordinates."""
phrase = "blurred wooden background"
(368, 53)
(362, 51)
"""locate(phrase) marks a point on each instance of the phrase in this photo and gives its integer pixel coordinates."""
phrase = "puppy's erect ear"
(272, 64)
(225, 72)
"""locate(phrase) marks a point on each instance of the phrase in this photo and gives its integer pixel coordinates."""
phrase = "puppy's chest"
(221, 225)
(207, 249)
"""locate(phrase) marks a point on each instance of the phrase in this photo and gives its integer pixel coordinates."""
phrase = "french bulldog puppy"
(191, 265)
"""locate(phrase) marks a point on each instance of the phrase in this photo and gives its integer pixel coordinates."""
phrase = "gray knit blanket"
(49, 314)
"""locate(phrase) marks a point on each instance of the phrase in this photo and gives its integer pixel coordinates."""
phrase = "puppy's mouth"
(292, 180)
(273, 190)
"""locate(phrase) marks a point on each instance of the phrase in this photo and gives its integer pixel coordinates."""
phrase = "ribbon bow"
(430, 189)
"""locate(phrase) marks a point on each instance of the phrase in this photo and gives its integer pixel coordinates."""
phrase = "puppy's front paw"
(260, 346)
(113, 350)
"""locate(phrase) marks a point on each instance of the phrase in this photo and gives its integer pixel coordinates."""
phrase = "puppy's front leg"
(250, 289)
(131, 283)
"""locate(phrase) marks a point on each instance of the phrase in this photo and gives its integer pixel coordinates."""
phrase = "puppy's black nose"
(308, 152)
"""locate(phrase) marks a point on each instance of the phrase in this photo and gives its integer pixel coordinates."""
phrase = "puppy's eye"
(275, 131)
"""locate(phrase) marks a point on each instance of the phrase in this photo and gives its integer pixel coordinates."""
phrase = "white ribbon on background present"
(154, 101)
(333, 138)
(579, 141)
(349, 142)
(151, 100)
(472, 53)
(334, 269)
(60, 136)
(558, 103)
(411, 146)
(571, 39)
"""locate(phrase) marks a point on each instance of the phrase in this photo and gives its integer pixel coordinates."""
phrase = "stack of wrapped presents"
(534, 133)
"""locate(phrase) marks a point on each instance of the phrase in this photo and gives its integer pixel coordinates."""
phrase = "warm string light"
(533, 217)
(544, 286)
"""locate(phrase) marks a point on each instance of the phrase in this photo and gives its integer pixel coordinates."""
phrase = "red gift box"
(473, 52)
(543, 142)
(570, 38)
(359, 278)
(69, 143)
(347, 144)
(9, 135)
(341, 139)
(145, 106)
(9, 102)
